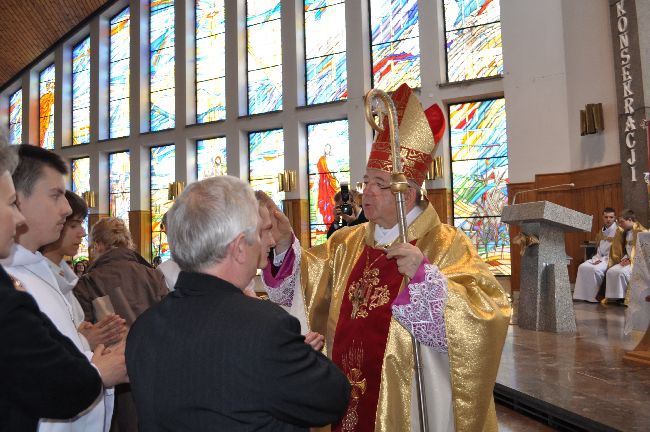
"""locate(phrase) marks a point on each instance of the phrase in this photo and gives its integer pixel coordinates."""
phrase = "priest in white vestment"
(592, 272)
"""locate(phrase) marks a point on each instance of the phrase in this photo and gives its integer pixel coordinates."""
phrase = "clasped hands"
(108, 331)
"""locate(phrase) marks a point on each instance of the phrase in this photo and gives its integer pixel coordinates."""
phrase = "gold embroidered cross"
(366, 294)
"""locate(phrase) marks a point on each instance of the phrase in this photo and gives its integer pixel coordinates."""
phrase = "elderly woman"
(132, 285)
(118, 272)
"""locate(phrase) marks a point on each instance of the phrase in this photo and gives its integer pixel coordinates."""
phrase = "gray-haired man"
(209, 357)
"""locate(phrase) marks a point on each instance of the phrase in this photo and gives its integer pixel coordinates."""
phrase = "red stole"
(362, 333)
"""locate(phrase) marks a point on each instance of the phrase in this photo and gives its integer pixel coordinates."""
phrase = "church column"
(627, 31)
(296, 204)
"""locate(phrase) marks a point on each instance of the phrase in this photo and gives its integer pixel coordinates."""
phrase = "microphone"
(514, 198)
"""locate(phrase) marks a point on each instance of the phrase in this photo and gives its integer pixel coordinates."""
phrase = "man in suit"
(208, 357)
(42, 373)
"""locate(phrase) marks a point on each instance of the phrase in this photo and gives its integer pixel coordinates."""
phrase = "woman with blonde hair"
(131, 284)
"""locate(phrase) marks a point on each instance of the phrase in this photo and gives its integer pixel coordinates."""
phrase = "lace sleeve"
(420, 307)
(282, 286)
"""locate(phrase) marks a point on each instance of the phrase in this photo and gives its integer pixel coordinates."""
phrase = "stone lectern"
(545, 300)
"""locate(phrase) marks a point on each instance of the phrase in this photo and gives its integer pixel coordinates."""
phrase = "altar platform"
(576, 382)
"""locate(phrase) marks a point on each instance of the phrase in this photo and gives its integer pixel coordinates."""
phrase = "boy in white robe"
(111, 329)
(592, 272)
(618, 276)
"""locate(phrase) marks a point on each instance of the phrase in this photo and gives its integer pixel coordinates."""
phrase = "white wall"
(557, 58)
(591, 79)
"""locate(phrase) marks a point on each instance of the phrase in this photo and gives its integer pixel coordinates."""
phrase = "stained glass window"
(163, 172)
(479, 166)
(264, 56)
(46, 84)
(266, 161)
(473, 39)
(81, 184)
(210, 61)
(395, 43)
(325, 51)
(81, 93)
(120, 46)
(119, 185)
(16, 117)
(329, 165)
(162, 76)
(211, 158)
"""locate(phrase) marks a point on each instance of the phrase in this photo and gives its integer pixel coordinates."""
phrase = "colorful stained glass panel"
(259, 11)
(210, 61)
(81, 184)
(474, 53)
(397, 62)
(480, 187)
(491, 239)
(81, 93)
(119, 189)
(16, 117)
(470, 13)
(120, 50)
(325, 51)
(264, 56)
(211, 158)
(480, 177)
(210, 100)
(478, 130)
(210, 57)
(473, 39)
(264, 46)
(266, 160)
(161, 66)
(395, 43)
(46, 88)
(326, 79)
(329, 165)
(162, 104)
(163, 172)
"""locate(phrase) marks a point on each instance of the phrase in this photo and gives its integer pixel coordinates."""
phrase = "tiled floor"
(583, 373)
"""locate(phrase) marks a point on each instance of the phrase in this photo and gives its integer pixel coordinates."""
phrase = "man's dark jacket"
(209, 358)
(42, 373)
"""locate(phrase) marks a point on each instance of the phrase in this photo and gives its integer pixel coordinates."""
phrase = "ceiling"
(29, 27)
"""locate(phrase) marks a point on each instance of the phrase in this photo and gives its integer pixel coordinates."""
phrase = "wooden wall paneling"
(140, 227)
(594, 190)
(441, 200)
(297, 210)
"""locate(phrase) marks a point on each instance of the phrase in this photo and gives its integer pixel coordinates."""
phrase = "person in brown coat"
(132, 285)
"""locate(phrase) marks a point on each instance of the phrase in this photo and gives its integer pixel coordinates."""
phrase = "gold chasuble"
(617, 249)
(348, 286)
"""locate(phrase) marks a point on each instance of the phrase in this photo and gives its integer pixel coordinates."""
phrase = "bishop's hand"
(407, 256)
(282, 231)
